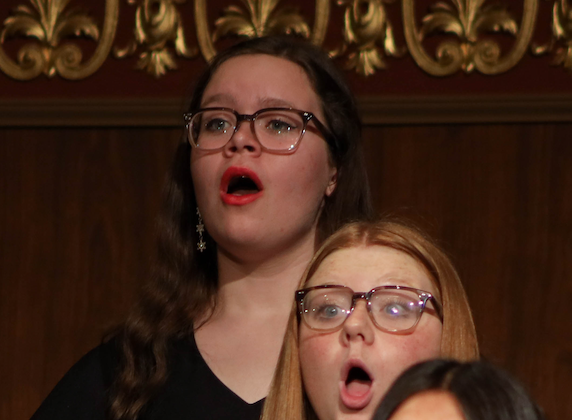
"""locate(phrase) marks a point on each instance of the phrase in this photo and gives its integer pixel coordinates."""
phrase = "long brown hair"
(458, 341)
(185, 283)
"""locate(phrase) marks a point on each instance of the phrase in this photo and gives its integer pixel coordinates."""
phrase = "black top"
(192, 391)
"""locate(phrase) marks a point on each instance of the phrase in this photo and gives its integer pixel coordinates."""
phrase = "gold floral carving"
(158, 24)
(561, 43)
(50, 23)
(258, 18)
(366, 28)
(48, 29)
(468, 20)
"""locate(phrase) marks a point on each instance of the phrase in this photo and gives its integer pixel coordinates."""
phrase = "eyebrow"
(266, 102)
(219, 97)
(275, 102)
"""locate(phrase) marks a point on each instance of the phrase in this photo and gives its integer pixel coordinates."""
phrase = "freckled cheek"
(317, 358)
(417, 347)
(399, 352)
(306, 171)
(298, 172)
(320, 368)
(420, 349)
(429, 339)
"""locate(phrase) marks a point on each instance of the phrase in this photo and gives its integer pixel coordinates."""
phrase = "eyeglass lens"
(392, 310)
(274, 129)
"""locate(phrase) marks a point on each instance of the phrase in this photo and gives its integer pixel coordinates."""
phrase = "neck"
(262, 288)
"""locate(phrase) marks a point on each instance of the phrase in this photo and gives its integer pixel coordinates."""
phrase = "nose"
(358, 325)
(243, 140)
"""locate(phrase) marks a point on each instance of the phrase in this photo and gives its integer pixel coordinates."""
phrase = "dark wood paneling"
(374, 110)
(77, 216)
(498, 196)
(77, 212)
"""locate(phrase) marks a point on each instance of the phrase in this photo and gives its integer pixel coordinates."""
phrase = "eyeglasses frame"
(306, 117)
(423, 296)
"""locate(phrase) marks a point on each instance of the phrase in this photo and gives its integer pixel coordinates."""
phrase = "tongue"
(357, 387)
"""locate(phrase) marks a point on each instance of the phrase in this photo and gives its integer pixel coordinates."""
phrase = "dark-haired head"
(351, 199)
(481, 391)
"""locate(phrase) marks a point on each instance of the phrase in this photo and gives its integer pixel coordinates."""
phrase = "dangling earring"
(201, 245)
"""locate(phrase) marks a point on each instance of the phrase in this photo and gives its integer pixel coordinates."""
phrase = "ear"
(333, 182)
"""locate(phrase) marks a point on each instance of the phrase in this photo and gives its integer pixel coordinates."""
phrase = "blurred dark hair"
(484, 392)
(184, 285)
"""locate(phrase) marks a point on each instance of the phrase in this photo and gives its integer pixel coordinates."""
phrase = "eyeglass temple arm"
(437, 306)
(329, 136)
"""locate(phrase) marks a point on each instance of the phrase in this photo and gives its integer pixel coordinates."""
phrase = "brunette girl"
(271, 165)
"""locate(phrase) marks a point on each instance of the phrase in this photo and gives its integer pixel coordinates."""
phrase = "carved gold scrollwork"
(468, 20)
(366, 27)
(259, 18)
(158, 23)
(561, 43)
(48, 28)
(51, 24)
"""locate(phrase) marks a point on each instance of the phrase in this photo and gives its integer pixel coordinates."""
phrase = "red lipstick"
(240, 186)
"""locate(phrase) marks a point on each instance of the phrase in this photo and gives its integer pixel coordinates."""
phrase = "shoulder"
(98, 364)
(82, 392)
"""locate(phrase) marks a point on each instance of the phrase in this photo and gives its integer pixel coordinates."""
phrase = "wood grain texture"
(77, 226)
(498, 197)
(78, 208)
(374, 110)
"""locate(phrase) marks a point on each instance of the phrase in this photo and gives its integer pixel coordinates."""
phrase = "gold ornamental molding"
(51, 23)
(367, 28)
(561, 42)
(259, 18)
(158, 24)
(469, 21)
(47, 33)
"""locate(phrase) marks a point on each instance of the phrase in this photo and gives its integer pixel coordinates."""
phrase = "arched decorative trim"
(49, 22)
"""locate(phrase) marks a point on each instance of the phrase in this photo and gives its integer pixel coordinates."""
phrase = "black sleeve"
(82, 394)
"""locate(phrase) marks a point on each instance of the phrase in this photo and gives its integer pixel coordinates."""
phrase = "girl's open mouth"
(356, 388)
(240, 186)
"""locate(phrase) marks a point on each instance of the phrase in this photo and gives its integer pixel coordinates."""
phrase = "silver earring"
(201, 245)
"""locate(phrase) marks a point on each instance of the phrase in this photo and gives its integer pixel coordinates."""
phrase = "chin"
(344, 413)
(246, 247)
(357, 415)
(242, 233)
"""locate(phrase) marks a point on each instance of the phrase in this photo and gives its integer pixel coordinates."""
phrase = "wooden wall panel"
(77, 212)
(498, 198)
(77, 217)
